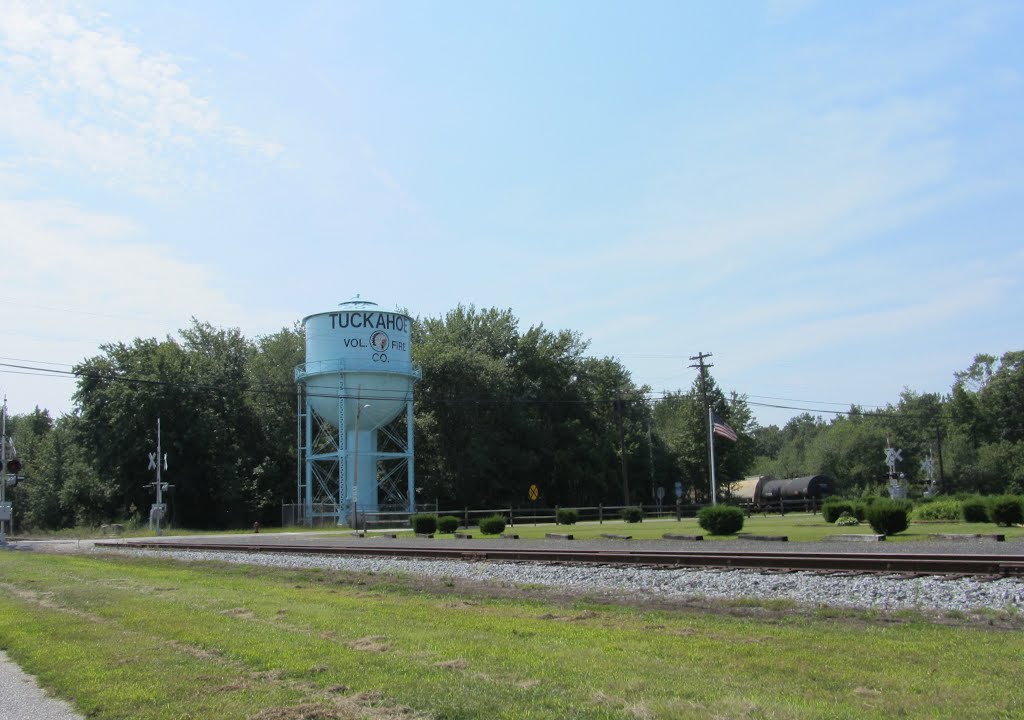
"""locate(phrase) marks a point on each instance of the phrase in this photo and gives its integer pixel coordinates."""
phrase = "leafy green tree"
(29, 435)
(850, 450)
(499, 410)
(987, 425)
(65, 488)
(270, 378)
(215, 434)
(681, 423)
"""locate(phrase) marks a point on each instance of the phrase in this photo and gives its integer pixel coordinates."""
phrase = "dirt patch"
(639, 710)
(232, 687)
(866, 692)
(372, 643)
(195, 651)
(308, 711)
(683, 632)
(371, 705)
(239, 613)
(452, 664)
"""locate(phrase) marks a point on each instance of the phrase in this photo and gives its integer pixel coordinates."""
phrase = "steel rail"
(909, 563)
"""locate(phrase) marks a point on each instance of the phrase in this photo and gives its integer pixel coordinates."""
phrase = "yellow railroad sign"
(534, 493)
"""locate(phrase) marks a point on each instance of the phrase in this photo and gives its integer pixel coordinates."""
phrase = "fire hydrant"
(256, 526)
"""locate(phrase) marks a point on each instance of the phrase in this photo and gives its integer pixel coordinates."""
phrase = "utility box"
(5, 512)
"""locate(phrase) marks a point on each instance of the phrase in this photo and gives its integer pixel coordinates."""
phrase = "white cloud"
(95, 264)
(75, 95)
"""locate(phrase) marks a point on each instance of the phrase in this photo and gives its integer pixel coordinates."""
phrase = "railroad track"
(898, 563)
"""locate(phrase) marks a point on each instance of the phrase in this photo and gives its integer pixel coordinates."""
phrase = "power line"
(322, 391)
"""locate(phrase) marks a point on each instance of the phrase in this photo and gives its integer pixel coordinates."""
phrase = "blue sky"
(827, 196)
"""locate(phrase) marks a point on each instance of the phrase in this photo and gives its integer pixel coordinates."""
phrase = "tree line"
(974, 434)
(499, 408)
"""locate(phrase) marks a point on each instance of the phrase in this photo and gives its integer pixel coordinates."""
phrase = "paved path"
(22, 699)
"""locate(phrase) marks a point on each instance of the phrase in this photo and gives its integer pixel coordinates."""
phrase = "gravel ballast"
(870, 592)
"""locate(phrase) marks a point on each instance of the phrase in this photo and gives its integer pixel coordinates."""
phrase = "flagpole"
(711, 454)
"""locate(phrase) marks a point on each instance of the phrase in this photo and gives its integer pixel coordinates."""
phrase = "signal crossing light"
(13, 466)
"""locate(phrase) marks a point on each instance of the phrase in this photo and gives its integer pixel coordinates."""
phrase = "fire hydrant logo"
(379, 341)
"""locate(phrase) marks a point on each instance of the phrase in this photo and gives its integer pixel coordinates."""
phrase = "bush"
(975, 510)
(423, 523)
(847, 520)
(888, 517)
(447, 524)
(945, 509)
(1007, 510)
(833, 509)
(632, 514)
(492, 525)
(721, 519)
(566, 516)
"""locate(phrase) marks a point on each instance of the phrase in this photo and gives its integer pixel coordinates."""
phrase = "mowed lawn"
(798, 527)
(140, 639)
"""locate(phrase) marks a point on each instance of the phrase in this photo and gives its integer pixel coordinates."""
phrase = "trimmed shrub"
(492, 525)
(832, 510)
(632, 514)
(1007, 510)
(447, 524)
(887, 517)
(423, 523)
(975, 510)
(721, 519)
(566, 516)
(937, 510)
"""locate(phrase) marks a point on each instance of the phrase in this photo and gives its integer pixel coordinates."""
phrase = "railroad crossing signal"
(153, 461)
(892, 456)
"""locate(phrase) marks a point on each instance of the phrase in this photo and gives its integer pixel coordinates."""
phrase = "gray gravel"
(22, 699)
(865, 592)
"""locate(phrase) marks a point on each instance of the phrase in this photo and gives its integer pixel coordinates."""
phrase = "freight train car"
(811, 487)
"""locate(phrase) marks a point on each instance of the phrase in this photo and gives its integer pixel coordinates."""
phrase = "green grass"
(95, 533)
(796, 526)
(153, 639)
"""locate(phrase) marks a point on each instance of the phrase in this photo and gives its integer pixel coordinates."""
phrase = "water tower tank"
(358, 376)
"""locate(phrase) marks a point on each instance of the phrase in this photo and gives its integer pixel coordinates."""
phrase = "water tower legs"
(336, 467)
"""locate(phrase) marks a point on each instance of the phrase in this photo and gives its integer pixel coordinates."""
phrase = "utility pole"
(650, 453)
(5, 512)
(620, 407)
(938, 439)
(702, 366)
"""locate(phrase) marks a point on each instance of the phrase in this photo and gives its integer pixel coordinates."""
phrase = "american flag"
(721, 428)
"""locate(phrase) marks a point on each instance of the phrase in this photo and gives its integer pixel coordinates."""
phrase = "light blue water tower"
(355, 421)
